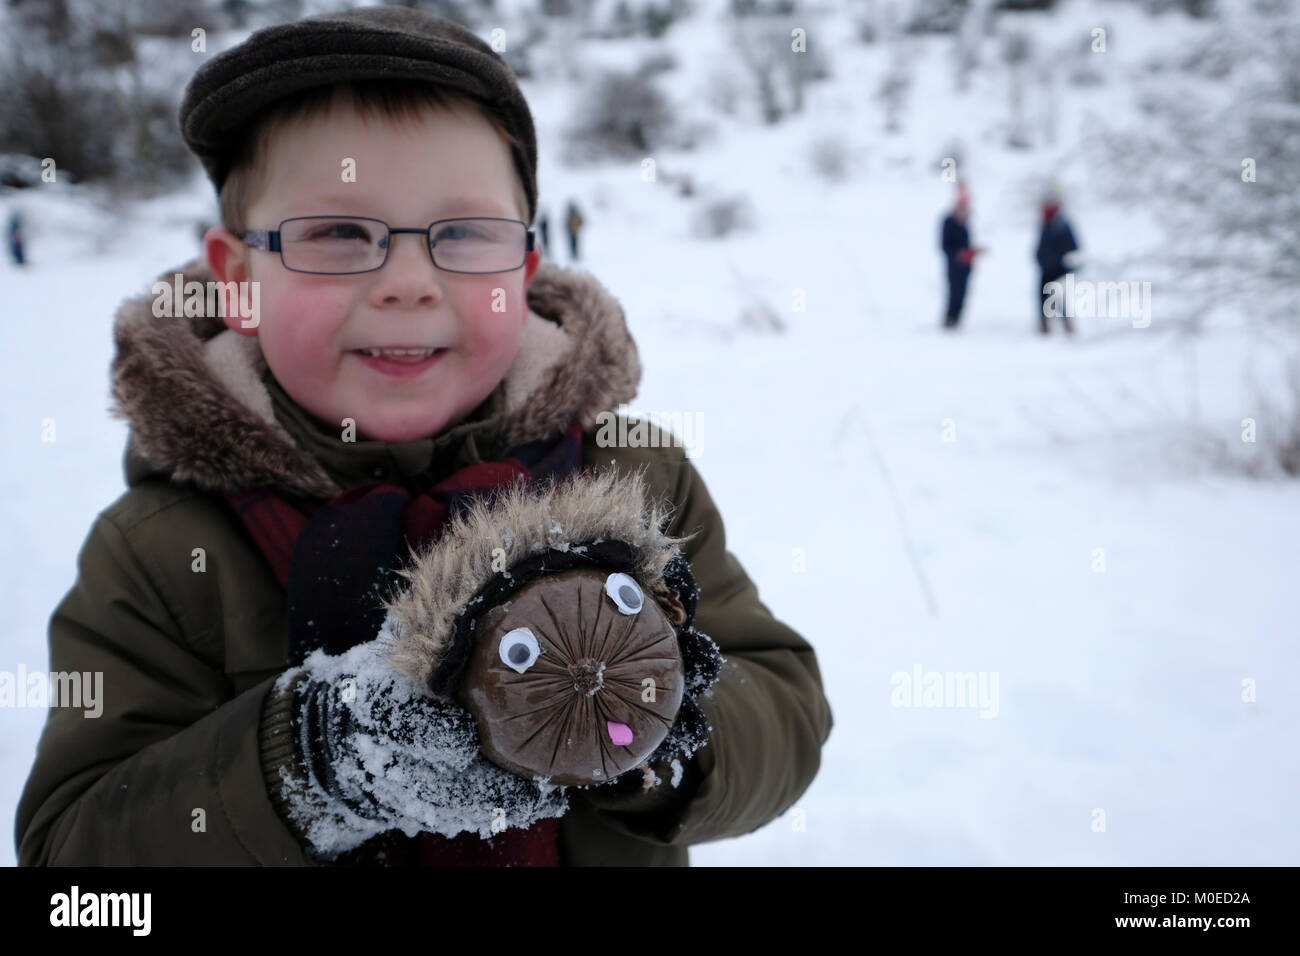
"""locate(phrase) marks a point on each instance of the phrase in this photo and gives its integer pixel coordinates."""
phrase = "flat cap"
(369, 43)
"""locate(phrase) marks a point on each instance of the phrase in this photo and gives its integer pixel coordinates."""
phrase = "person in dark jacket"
(16, 240)
(959, 255)
(1055, 244)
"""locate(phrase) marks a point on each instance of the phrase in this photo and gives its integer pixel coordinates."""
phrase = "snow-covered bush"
(49, 111)
(894, 87)
(1214, 158)
(79, 91)
(829, 158)
(759, 316)
(1266, 444)
(625, 116)
(934, 16)
(763, 8)
(1026, 5)
(1082, 64)
(779, 61)
(19, 172)
(757, 44)
(525, 41)
(1016, 53)
(722, 217)
(723, 91)
(1193, 8)
(171, 18)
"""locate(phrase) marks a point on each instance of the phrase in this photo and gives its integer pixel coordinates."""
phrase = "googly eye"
(625, 592)
(519, 650)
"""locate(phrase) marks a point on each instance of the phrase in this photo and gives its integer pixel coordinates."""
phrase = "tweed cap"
(368, 43)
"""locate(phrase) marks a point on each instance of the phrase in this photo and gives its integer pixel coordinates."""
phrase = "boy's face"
(314, 329)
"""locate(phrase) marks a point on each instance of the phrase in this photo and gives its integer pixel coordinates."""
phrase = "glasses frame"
(268, 240)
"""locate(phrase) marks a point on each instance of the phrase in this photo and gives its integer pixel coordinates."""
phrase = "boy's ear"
(531, 262)
(228, 260)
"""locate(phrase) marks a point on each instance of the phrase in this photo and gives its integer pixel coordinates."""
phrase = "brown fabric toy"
(562, 620)
(565, 684)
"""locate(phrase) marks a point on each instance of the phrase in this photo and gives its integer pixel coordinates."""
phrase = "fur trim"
(587, 507)
(192, 391)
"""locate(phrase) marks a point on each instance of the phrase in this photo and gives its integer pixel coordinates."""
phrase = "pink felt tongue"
(621, 734)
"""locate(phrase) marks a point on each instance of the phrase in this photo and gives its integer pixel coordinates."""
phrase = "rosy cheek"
(487, 331)
(307, 318)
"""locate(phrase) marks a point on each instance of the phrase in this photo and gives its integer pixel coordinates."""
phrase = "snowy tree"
(1214, 155)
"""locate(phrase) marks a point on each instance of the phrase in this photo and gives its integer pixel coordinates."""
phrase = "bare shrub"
(779, 65)
(63, 114)
(625, 117)
(171, 18)
(1016, 53)
(1212, 160)
(829, 157)
(723, 92)
(107, 118)
(1198, 9)
(893, 89)
(1084, 65)
(755, 43)
(760, 317)
(724, 216)
(1278, 428)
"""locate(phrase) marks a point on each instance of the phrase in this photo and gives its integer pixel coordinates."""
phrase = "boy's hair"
(395, 100)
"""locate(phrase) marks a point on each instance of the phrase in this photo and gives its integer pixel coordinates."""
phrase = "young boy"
(381, 375)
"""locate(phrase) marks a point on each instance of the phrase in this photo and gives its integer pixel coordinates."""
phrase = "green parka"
(175, 769)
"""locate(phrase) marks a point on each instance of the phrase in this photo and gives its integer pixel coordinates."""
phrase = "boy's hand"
(376, 752)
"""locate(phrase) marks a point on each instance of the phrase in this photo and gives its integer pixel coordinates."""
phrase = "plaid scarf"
(335, 559)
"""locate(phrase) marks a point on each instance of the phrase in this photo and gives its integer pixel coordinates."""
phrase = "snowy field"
(1039, 511)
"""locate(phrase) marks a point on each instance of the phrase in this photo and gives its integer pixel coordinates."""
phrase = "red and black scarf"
(337, 558)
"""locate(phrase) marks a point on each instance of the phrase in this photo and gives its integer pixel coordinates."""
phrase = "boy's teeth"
(401, 353)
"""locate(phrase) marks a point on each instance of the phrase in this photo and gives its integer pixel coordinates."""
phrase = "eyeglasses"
(344, 245)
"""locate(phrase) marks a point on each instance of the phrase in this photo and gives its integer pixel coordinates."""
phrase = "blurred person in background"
(1055, 253)
(544, 227)
(16, 238)
(573, 223)
(959, 254)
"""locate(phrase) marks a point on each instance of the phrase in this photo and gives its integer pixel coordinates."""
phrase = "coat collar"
(203, 407)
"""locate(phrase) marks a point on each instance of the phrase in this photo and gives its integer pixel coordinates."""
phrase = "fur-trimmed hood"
(200, 410)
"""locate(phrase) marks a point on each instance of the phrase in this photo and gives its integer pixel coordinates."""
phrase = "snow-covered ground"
(1041, 512)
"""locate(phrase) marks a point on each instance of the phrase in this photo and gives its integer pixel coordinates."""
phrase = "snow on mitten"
(376, 752)
(562, 619)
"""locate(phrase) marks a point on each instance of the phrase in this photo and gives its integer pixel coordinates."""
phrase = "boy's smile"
(400, 360)
(408, 349)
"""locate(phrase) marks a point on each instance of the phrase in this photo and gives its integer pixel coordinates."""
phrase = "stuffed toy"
(562, 619)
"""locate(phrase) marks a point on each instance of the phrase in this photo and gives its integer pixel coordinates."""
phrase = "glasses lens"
(333, 244)
(478, 245)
